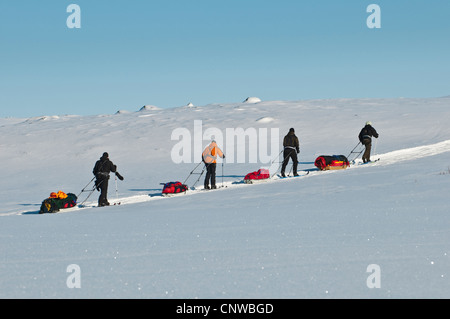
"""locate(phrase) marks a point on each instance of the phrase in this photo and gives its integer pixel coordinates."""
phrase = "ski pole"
(203, 170)
(117, 191)
(276, 157)
(192, 172)
(84, 189)
(282, 162)
(353, 152)
(82, 203)
(222, 174)
(91, 192)
(375, 148)
(278, 162)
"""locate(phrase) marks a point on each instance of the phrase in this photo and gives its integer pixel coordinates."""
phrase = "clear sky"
(171, 52)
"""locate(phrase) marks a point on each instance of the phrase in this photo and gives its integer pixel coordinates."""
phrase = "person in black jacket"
(365, 137)
(101, 171)
(291, 149)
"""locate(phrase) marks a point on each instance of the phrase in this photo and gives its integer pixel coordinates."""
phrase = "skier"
(209, 157)
(291, 149)
(101, 171)
(365, 137)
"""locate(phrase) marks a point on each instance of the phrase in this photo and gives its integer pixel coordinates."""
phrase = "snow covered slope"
(307, 237)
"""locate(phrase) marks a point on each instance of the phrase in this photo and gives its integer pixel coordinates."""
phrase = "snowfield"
(380, 230)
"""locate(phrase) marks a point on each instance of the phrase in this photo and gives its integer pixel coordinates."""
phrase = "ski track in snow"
(389, 158)
(415, 153)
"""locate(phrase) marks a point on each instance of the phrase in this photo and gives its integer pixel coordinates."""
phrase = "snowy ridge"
(415, 153)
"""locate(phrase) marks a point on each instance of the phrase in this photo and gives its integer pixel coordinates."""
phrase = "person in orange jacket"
(209, 157)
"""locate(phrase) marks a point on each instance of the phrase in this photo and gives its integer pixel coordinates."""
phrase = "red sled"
(258, 176)
(174, 188)
(327, 162)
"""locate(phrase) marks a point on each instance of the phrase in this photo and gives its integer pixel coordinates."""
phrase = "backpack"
(172, 188)
(54, 203)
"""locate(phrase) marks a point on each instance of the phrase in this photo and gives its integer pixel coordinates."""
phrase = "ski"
(289, 176)
(82, 206)
(212, 189)
(370, 162)
(359, 162)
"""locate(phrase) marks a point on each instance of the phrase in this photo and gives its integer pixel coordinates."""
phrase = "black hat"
(291, 130)
(105, 154)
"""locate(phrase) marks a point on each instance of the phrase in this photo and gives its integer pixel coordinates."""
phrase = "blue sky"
(171, 52)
